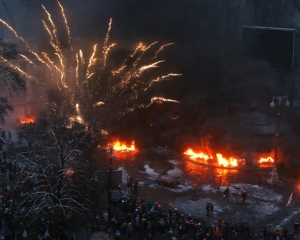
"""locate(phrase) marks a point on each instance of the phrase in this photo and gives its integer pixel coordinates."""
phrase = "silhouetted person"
(207, 209)
(244, 195)
(135, 185)
(211, 210)
(226, 194)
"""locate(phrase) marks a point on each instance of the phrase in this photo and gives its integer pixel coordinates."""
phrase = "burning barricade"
(218, 160)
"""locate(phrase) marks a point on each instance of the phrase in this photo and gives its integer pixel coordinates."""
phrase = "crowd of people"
(136, 218)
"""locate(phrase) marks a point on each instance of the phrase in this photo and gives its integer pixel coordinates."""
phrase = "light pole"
(279, 100)
(112, 155)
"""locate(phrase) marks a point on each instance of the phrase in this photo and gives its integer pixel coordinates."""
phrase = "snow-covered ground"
(265, 204)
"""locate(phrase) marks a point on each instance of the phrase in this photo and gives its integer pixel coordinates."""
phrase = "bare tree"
(268, 12)
(54, 181)
(11, 80)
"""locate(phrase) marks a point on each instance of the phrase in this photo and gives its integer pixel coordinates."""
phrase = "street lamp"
(279, 100)
(109, 190)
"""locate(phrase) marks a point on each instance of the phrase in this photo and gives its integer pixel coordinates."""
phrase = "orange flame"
(122, 147)
(221, 161)
(230, 162)
(194, 155)
(28, 120)
(266, 160)
(225, 162)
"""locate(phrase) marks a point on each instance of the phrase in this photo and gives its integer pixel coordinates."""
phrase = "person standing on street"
(135, 185)
(244, 195)
(211, 210)
(128, 184)
(207, 209)
(226, 194)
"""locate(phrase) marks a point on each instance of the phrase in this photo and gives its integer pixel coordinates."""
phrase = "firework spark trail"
(27, 59)
(104, 50)
(77, 68)
(114, 72)
(153, 100)
(25, 42)
(52, 64)
(161, 78)
(80, 76)
(55, 67)
(144, 68)
(133, 72)
(124, 65)
(66, 23)
(161, 48)
(53, 34)
(87, 76)
(57, 48)
(17, 68)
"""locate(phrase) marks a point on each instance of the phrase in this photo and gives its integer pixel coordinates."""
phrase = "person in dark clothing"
(244, 195)
(211, 210)
(131, 183)
(226, 194)
(135, 185)
(207, 209)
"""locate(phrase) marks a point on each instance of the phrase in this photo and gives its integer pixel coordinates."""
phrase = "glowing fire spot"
(266, 160)
(122, 147)
(194, 155)
(27, 120)
(69, 172)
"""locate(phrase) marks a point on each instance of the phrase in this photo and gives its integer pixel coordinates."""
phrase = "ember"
(174, 118)
(69, 172)
(122, 147)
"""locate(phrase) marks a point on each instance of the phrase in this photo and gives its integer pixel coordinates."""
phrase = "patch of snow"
(176, 172)
(175, 162)
(150, 171)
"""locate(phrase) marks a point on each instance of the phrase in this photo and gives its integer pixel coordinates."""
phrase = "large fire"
(220, 160)
(123, 147)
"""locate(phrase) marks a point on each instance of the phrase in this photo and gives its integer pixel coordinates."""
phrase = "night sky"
(207, 34)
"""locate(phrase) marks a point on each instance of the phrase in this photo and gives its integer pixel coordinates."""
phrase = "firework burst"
(88, 81)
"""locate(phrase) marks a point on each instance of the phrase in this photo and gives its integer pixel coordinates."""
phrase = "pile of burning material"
(123, 147)
(218, 160)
